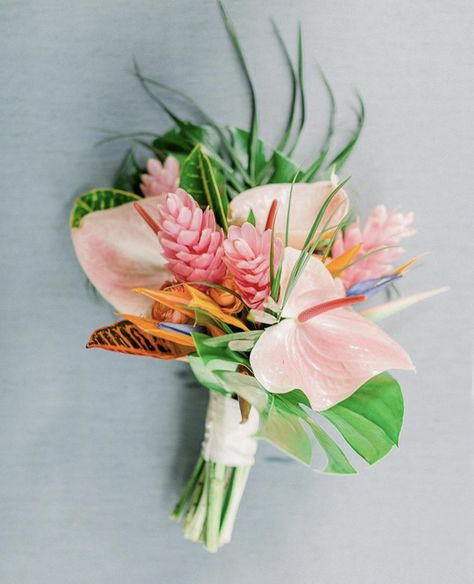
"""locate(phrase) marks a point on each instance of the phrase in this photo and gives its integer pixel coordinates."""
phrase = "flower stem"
(181, 504)
(236, 490)
(210, 502)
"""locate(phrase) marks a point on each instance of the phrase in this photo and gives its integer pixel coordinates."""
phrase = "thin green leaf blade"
(343, 155)
(294, 85)
(253, 142)
(300, 79)
(217, 199)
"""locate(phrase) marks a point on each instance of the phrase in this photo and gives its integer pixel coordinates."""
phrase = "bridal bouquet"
(228, 255)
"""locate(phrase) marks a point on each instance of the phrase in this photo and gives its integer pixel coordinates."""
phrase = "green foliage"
(212, 357)
(294, 84)
(98, 200)
(251, 218)
(128, 175)
(223, 341)
(241, 142)
(310, 243)
(370, 419)
(199, 179)
(253, 133)
(300, 82)
(180, 140)
(283, 422)
(285, 170)
(341, 158)
(242, 158)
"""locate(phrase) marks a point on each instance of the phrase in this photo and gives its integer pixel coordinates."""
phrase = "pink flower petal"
(118, 252)
(306, 203)
(315, 285)
(328, 357)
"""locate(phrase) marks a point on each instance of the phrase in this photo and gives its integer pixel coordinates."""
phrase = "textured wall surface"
(95, 447)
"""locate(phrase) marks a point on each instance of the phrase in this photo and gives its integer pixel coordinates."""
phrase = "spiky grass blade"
(294, 85)
(317, 164)
(341, 158)
(209, 120)
(310, 243)
(301, 90)
(253, 142)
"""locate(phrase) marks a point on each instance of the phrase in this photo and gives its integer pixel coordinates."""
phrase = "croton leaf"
(370, 419)
(125, 337)
(98, 200)
(201, 180)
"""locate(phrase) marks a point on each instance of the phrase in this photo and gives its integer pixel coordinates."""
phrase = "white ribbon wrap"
(226, 440)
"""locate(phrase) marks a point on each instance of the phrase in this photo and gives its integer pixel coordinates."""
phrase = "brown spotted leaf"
(124, 337)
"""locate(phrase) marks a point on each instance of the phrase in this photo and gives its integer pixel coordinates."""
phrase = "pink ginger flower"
(191, 239)
(161, 178)
(247, 256)
(382, 228)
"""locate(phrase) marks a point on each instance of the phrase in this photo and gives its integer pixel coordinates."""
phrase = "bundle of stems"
(210, 502)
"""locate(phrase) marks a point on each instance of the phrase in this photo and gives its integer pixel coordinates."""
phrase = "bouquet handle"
(211, 498)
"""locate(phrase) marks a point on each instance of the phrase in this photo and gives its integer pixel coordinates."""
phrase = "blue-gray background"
(94, 447)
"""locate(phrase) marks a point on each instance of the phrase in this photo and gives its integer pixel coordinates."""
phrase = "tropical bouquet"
(227, 254)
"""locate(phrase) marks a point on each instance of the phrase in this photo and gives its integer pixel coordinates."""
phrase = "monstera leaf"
(370, 419)
(99, 200)
(282, 422)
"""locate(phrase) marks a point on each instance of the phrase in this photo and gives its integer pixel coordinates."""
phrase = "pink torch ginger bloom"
(321, 347)
(247, 256)
(191, 239)
(381, 229)
(161, 178)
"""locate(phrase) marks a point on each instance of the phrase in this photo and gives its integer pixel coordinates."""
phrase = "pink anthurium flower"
(307, 200)
(322, 347)
(119, 252)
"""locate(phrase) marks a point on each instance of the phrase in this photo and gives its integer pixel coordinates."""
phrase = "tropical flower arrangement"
(226, 254)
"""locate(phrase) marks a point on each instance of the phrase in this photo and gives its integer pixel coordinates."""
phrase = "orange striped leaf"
(125, 337)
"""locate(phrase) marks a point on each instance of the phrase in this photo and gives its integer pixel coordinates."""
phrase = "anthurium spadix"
(119, 252)
(307, 200)
(327, 352)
